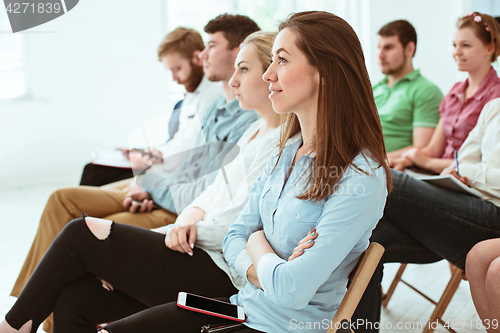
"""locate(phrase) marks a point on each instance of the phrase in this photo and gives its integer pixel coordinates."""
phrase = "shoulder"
(490, 110)
(458, 87)
(423, 86)
(493, 90)
(365, 174)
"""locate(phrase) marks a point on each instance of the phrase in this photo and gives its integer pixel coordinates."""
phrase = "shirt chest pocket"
(300, 211)
(267, 203)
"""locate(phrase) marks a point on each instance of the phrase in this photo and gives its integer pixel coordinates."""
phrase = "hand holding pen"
(452, 169)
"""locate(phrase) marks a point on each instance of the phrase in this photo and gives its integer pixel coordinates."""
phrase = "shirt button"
(298, 217)
(301, 163)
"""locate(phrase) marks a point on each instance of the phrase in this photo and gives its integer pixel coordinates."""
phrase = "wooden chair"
(359, 277)
(457, 275)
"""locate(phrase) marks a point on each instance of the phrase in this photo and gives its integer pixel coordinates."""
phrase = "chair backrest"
(359, 277)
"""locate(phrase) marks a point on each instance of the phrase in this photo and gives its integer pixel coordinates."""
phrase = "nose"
(233, 82)
(381, 55)
(270, 74)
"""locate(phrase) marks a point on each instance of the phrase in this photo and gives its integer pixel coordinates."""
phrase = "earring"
(487, 57)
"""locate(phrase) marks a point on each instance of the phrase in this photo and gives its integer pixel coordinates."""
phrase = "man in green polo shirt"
(407, 103)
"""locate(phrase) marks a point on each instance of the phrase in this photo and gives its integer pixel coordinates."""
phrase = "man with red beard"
(178, 52)
(408, 103)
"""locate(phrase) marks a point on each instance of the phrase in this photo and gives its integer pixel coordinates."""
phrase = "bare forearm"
(397, 153)
(252, 277)
(436, 165)
(257, 246)
(191, 215)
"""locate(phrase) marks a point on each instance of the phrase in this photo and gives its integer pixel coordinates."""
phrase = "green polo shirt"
(413, 101)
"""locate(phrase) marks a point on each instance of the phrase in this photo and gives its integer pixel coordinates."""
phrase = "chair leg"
(387, 296)
(456, 278)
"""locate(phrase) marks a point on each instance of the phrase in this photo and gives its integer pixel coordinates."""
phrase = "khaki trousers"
(67, 204)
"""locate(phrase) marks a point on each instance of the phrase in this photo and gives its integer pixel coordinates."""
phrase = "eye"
(243, 69)
(281, 60)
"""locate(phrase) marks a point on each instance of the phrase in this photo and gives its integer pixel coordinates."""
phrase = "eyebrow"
(280, 50)
(241, 62)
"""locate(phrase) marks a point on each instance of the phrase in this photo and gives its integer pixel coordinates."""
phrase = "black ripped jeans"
(145, 274)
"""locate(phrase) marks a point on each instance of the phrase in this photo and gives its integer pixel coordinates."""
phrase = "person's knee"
(74, 228)
(475, 260)
(101, 228)
(493, 274)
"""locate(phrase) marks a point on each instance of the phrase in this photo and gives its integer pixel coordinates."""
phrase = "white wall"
(94, 77)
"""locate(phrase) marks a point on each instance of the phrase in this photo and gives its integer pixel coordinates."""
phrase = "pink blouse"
(458, 116)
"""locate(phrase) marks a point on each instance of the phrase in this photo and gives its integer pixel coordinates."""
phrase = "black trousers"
(98, 175)
(145, 274)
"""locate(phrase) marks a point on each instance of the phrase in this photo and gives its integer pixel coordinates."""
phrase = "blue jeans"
(423, 224)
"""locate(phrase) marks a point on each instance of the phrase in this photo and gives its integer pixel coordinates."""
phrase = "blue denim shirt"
(302, 295)
(223, 125)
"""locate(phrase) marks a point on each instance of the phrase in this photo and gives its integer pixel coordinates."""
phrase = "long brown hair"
(347, 120)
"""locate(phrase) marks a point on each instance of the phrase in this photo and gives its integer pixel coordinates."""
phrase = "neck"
(476, 77)
(393, 78)
(228, 91)
(308, 130)
(272, 119)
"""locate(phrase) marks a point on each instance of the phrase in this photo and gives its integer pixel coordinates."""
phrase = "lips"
(274, 92)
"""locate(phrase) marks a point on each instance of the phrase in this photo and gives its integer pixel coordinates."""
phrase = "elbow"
(288, 301)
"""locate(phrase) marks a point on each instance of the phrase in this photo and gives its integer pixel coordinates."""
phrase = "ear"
(410, 49)
(195, 59)
(490, 50)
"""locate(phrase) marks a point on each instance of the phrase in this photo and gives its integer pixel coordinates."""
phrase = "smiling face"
(293, 82)
(391, 56)
(218, 60)
(187, 72)
(251, 91)
(469, 52)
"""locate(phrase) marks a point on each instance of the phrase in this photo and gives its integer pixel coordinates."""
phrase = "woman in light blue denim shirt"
(329, 174)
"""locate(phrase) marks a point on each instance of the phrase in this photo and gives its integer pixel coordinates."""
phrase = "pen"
(456, 162)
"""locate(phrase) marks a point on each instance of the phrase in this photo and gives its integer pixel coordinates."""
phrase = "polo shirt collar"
(408, 77)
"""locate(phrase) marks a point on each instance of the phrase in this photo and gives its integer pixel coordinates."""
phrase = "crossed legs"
(143, 272)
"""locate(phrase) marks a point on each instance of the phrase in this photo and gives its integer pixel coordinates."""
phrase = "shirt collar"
(294, 143)
(488, 79)
(408, 77)
(459, 89)
(232, 107)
